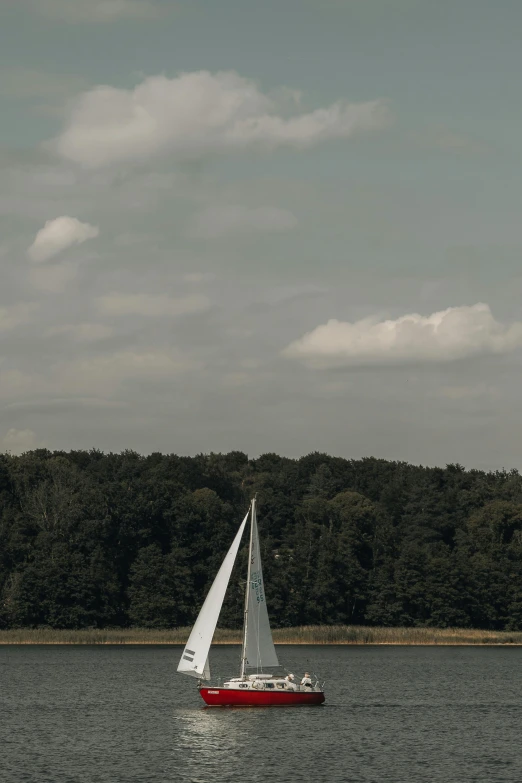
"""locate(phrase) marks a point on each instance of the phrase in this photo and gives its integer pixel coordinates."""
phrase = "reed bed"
(307, 634)
(356, 634)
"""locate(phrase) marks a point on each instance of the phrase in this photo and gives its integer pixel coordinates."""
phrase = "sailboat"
(253, 687)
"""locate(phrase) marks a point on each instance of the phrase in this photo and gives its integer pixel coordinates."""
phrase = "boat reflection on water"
(204, 742)
(204, 728)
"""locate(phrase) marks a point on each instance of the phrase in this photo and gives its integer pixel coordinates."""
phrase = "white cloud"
(199, 277)
(94, 377)
(468, 392)
(448, 335)
(234, 380)
(95, 11)
(83, 333)
(18, 441)
(52, 278)
(102, 375)
(50, 403)
(12, 316)
(59, 234)
(194, 114)
(216, 222)
(151, 305)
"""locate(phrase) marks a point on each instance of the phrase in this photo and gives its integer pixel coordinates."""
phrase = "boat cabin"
(263, 682)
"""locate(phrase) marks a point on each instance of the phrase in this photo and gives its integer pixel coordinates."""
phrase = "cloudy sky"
(284, 226)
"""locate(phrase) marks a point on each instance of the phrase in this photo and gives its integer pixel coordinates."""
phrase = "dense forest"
(110, 540)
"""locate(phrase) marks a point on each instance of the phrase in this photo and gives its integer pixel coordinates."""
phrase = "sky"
(287, 226)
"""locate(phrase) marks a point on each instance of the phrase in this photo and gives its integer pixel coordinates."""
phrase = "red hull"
(230, 697)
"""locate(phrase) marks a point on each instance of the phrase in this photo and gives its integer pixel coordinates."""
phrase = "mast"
(247, 588)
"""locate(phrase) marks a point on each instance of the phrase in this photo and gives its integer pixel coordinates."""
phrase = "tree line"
(89, 539)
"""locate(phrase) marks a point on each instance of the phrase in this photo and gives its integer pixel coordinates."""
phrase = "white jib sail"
(194, 659)
(260, 650)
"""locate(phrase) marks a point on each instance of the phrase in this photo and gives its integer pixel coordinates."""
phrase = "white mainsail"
(194, 659)
(259, 646)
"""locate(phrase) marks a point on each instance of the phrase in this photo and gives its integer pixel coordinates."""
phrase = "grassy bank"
(308, 634)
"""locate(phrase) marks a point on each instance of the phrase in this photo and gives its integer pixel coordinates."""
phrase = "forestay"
(260, 650)
(194, 660)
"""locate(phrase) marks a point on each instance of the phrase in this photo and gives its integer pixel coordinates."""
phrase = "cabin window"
(280, 685)
(269, 684)
(243, 686)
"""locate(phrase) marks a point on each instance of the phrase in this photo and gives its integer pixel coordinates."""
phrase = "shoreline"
(277, 644)
(311, 635)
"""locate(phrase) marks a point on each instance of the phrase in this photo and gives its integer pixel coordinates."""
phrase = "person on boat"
(306, 682)
(290, 684)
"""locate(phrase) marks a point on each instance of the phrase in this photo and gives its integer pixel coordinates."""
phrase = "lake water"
(122, 715)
